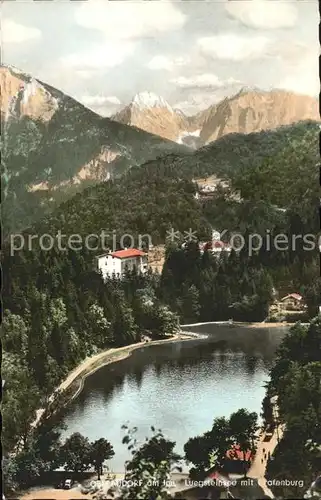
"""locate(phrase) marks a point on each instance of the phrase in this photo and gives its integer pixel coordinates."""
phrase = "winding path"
(258, 467)
(94, 363)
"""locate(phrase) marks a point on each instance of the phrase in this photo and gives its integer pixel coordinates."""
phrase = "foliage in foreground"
(210, 449)
(296, 380)
(45, 452)
(148, 473)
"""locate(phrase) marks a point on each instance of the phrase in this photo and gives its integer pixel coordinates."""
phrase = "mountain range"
(53, 146)
(153, 114)
(246, 112)
(60, 122)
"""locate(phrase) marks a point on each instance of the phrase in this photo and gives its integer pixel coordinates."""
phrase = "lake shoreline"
(106, 357)
(265, 325)
(93, 363)
(244, 324)
(75, 380)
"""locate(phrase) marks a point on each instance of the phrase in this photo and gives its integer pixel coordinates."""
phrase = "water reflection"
(251, 364)
(138, 374)
(158, 369)
(178, 387)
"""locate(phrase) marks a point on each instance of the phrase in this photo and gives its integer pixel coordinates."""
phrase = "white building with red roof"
(117, 263)
(216, 245)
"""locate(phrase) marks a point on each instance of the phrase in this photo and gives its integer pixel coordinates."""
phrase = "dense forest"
(58, 310)
(158, 195)
(226, 156)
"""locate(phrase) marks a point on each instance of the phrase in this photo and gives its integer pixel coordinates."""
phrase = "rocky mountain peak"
(22, 95)
(252, 110)
(146, 100)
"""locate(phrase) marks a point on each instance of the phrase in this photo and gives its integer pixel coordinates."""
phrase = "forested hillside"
(283, 182)
(147, 200)
(53, 146)
(41, 162)
(227, 155)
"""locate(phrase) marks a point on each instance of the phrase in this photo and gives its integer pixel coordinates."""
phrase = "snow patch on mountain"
(180, 112)
(10, 109)
(15, 70)
(30, 90)
(145, 100)
(186, 133)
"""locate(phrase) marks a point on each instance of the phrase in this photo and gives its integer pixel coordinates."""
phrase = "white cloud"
(130, 19)
(263, 14)
(99, 100)
(165, 63)
(84, 74)
(107, 55)
(233, 47)
(113, 99)
(207, 80)
(196, 103)
(103, 105)
(303, 79)
(232, 81)
(12, 32)
(291, 53)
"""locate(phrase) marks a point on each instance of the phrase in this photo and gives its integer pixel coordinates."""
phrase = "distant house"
(220, 246)
(216, 235)
(292, 302)
(117, 263)
(208, 189)
(216, 247)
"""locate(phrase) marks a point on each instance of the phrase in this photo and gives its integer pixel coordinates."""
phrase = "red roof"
(215, 244)
(219, 244)
(237, 454)
(215, 475)
(295, 296)
(126, 254)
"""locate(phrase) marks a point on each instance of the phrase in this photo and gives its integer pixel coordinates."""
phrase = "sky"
(192, 53)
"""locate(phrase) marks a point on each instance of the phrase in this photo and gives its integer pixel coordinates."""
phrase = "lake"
(179, 387)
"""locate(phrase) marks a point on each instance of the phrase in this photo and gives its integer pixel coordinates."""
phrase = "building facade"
(292, 302)
(216, 246)
(117, 263)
